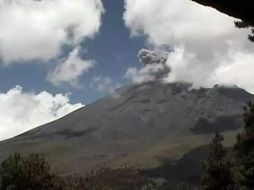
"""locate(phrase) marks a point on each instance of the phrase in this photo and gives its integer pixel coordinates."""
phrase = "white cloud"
(22, 111)
(37, 29)
(104, 84)
(233, 68)
(238, 70)
(70, 69)
(203, 40)
(145, 74)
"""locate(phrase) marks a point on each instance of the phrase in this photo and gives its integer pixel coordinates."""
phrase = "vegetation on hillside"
(241, 24)
(218, 174)
(26, 172)
(224, 169)
(32, 172)
(235, 170)
(244, 151)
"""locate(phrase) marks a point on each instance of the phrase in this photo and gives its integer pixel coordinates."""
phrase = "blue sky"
(112, 48)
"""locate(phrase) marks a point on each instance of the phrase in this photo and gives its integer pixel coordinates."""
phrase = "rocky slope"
(143, 125)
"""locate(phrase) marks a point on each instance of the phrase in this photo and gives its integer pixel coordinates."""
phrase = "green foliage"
(25, 172)
(32, 172)
(110, 179)
(241, 24)
(118, 179)
(244, 151)
(239, 173)
(251, 36)
(221, 171)
(217, 169)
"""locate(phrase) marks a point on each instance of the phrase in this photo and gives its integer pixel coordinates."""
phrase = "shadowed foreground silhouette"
(235, 8)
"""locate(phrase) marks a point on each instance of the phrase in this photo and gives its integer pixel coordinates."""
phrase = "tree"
(32, 172)
(26, 173)
(241, 24)
(217, 168)
(122, 178)
(244, 150)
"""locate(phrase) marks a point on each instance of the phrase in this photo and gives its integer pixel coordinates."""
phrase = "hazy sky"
(58, 55)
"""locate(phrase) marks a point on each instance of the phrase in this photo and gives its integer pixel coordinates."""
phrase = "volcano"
(139, 125)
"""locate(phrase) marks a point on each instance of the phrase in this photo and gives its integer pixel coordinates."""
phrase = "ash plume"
(154, 62)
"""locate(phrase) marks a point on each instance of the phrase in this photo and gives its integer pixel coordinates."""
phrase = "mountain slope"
(140, 125)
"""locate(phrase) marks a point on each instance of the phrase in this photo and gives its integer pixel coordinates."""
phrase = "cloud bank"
(38, 29)
(22, 111)
(70, 69)
(208, 49)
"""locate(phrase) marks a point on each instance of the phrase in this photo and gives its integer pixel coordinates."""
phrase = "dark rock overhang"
(243, 10)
